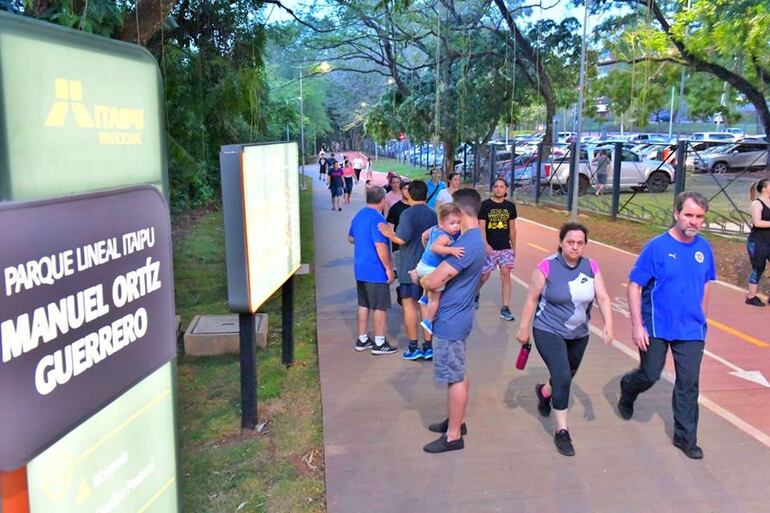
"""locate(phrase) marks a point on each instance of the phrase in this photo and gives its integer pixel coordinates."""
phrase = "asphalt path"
(376, 408)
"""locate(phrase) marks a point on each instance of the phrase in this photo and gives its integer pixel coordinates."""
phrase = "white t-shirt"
(358, 163)
(444, 196)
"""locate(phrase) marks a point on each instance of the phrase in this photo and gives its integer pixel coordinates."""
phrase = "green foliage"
(102, 17)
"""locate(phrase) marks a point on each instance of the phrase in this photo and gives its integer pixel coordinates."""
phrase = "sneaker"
(441, 444)
(441, 427)
(427, 352)
(506, 314)
(476, 302)
(385, 348)
(412, 353)
(363, 346)
(754, 301)
(563, 443)
(543, 403)
(423, 299)
(427, 326)
(625, 408)
(692, 451)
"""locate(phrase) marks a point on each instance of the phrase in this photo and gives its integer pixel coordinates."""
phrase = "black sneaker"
(563, 443)
(506, 314)
(385, 348)
(441, 444)
(754, 301)
(543, 403)
(441, 427)
(625, 408)
(363, 346)
(476, 301)
(692, 451)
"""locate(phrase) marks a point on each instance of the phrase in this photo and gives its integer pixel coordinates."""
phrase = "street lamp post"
(302, 130)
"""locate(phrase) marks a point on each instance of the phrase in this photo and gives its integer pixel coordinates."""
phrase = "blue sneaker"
(427, 326)
(413, 353)
(423, 299)
(427, 353)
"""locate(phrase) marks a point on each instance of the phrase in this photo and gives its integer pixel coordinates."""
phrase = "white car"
(636, 173)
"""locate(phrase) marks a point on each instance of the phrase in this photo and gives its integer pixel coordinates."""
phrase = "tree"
(725, 38)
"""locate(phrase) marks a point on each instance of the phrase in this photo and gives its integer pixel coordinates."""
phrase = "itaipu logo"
(114, 125)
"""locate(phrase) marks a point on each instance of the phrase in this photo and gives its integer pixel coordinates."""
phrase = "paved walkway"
(376, 409)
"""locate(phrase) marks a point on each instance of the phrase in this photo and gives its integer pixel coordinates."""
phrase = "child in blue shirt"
(438, 245)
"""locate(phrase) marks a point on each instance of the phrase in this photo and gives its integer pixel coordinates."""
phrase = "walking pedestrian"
(497, 218)
(602, 163)
(561, 294)
(454, 321)
(322, 168)
(668, 298)
(413, 222)
(358, 164)
(758, 244)
(368, 168)
(336, 185)
(435, 185)
(445, 195)
(373, 272)
(347, 174)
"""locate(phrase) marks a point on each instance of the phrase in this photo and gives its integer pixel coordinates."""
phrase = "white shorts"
(424, 269)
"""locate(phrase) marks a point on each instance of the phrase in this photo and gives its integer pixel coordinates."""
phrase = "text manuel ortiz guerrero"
(45, 323)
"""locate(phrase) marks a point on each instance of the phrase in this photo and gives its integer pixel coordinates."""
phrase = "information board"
(86, 310)
(260, 195)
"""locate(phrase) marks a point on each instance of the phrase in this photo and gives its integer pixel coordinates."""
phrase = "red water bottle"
(521, 361)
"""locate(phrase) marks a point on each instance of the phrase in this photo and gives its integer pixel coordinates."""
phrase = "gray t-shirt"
(414, 220)
(565, 303)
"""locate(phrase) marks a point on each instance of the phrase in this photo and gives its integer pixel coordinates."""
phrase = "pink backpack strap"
(594, 266)
(545, 266)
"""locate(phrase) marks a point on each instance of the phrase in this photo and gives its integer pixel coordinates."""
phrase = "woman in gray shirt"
(562, 290)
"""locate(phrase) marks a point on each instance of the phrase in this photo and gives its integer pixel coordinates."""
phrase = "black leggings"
(562, 357)
(759, 253)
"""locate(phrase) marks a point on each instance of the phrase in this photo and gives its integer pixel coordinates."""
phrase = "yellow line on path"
(736, 333)
(541, 248)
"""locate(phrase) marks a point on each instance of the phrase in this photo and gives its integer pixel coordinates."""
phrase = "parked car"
(736, 156)
(713, 136)
(648, 138)
(636, 173)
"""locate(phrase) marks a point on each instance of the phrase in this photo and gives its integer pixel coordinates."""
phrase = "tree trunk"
(152, 15)
(449, 156)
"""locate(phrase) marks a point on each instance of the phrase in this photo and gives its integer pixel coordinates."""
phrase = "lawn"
(402, 168)
(279, 468)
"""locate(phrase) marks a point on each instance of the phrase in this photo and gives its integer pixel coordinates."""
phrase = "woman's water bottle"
(521, 361)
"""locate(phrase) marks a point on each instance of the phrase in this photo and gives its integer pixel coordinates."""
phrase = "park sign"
(86, 310)
(78, 112)
(260, 196)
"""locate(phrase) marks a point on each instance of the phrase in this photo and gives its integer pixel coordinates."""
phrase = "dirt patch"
(731, 259)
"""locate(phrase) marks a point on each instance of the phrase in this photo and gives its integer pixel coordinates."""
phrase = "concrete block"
(209, 335)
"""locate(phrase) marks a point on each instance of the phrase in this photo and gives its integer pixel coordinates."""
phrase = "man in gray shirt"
(415, 220)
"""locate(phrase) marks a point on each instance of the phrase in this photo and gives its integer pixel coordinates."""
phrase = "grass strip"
(280, 468)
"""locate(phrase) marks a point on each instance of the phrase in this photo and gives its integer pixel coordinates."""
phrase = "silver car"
(636, 173)
(731, 157)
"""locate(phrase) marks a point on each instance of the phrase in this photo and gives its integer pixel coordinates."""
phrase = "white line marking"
(718, 410)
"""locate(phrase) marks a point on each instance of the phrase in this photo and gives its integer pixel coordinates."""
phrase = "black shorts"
(374, 296)
(348, 184)
(358, 173)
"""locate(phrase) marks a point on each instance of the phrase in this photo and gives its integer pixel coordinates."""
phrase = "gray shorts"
(601, 178)
(374, 296)
(448, 360)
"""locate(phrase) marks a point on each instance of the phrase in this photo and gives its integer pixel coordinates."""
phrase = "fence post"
(538, 172)
(616, 162)
(679, 172)
(573, 174)
(513, 169)
(492, 162)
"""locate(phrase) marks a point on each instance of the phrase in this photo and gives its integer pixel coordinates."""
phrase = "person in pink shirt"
(394, 195)
(348, 173)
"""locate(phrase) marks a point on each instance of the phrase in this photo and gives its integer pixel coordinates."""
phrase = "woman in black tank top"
(758, 244)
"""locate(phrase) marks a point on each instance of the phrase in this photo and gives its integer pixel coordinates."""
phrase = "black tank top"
(761, 234)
